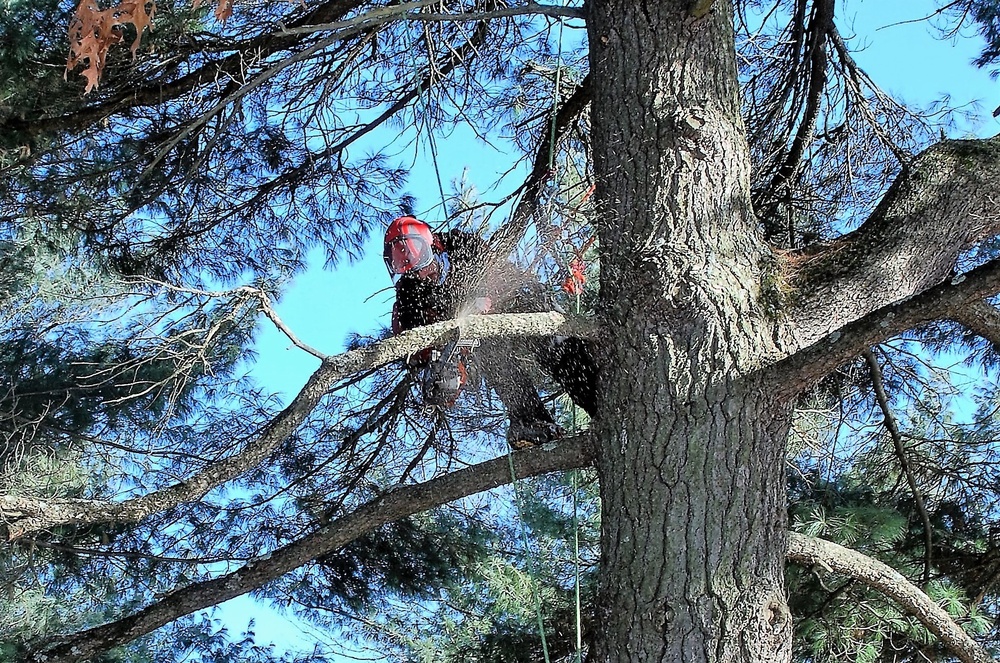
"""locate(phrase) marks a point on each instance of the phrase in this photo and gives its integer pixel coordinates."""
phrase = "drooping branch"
(24, 515)
(329, 16)
(455, 57)
(817, 552)
(766, 200)
(343, 30)
(942, 204)
(802, 369)
(391, 506)
(889, 421)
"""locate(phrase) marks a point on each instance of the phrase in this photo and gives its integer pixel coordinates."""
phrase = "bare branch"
(24, 515)
(396, 504)
(810, 551)
(272, 315)
(410, 11)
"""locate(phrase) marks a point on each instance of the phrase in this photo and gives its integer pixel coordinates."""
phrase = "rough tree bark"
(691, 432)
(698, 373)
(690, 445)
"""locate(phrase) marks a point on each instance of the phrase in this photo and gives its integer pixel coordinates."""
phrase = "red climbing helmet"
(408, 245)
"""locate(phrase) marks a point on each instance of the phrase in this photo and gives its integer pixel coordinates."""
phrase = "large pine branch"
(809, 551)
(26, 515)
(940, 206)
(947, 300)
(389, 507)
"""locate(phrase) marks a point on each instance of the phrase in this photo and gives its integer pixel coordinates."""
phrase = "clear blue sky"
(322, 306)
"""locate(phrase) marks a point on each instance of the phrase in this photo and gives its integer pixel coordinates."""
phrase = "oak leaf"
(93, 31)
(223, 9)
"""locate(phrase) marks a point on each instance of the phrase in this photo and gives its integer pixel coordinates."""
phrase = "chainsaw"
(442, 379)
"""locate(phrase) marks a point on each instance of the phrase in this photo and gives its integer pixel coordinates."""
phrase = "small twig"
(268, 310)
(411, 12)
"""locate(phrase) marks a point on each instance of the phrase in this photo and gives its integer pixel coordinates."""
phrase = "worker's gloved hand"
(482, 305)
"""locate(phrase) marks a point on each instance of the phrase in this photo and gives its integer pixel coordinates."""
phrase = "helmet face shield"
(407, 253)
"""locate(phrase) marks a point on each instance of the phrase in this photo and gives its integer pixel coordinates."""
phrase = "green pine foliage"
(100, 376)
(102, 393)
(985, 15)
(488, 608)
(849, 488)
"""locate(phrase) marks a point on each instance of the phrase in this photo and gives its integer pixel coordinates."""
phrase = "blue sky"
(323, 306)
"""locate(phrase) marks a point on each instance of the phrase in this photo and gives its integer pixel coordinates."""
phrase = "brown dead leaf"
(93, 31)
(223, 8)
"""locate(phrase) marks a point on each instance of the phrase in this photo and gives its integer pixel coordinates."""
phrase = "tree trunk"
(690, 445)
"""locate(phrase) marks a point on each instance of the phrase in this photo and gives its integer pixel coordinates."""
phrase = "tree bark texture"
(940, 205)
(690, 443)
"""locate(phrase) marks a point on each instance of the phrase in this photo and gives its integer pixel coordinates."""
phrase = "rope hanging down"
(574, 286)
(422, 109)
(532, 573)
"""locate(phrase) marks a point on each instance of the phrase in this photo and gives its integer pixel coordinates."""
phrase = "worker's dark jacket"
(422, 302)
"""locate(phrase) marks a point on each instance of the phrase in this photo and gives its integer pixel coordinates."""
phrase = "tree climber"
(431, 273)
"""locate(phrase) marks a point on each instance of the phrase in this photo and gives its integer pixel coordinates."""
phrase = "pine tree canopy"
(773, 281)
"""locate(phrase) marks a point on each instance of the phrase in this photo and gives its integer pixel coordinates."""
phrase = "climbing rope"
(576, 560)
(573, 285)
(422, 110)
(555, 102)
(576, 518)
(532, 571)
(576, 277)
